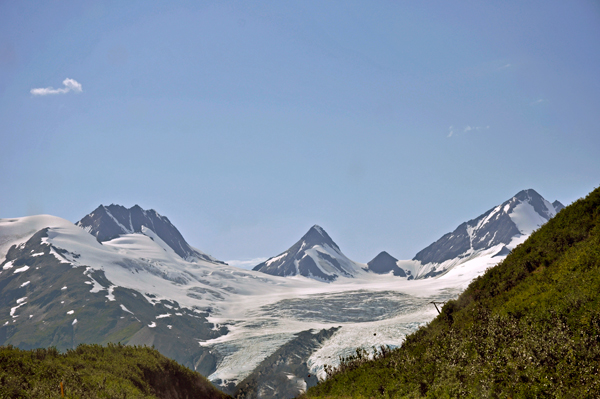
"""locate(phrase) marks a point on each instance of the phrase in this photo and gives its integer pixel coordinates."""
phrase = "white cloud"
(246, 264)
(70, 85)
(541, 100)
(469, 128)
(466, 129)
(451, 129)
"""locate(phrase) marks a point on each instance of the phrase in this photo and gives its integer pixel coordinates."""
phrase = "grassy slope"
(94, 371)
(530, 327)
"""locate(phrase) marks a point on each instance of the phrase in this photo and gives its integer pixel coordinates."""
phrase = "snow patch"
(74, 322)
(70, 312)
(152, 325)
(7, 266)
(125, 309)
(526, 218)
(24, 284)
(13, 310)
(21, 269)
(110, 295)
(161, 316)
(63, 288)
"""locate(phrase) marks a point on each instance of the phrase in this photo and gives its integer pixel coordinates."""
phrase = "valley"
(113, 278)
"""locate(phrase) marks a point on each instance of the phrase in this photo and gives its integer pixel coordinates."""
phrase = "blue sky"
(387, 123)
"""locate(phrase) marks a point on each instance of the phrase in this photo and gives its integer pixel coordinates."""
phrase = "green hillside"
(528, 328)
(94, 371)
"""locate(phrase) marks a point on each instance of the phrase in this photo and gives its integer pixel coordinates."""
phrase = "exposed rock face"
(385, 263)
(108, 222)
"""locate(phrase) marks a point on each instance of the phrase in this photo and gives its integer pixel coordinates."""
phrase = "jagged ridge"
(109, 222)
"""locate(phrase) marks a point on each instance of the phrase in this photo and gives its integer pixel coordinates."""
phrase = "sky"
(245, 123)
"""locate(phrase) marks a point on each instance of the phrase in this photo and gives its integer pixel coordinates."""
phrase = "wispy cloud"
(536, 102)
(246, 264)
(452, 130)
(70, 85)
(469, 128)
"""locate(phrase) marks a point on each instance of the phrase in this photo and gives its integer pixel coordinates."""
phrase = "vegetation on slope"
(95, 371)
(527, 328)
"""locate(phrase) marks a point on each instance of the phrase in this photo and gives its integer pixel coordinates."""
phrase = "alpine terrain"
(527, 328)
(127, 275)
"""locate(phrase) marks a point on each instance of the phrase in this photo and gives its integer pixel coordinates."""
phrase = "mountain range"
(127, 275)
(528, 327)
(316, 256)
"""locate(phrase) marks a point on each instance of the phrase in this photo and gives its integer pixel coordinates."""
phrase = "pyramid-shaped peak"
(558, 206)
(385, 263)
(316, 229)
(315, 256)
(383, 256)
(316, 235)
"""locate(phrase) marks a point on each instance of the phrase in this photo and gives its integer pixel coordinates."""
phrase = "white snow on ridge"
(526, 218)
(275, 259)
(138, 262)
(350, 267)
(15, 231)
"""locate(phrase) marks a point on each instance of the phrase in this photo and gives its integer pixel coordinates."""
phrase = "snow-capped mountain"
(109, 222)
(119, 277)
(61, 286)
(315, 256)
(385, 263)
(503, 226)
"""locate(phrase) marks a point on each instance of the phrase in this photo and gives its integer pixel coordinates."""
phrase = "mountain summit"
(109, 222)
(509, 223)
(385, 263)
(315, 256)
